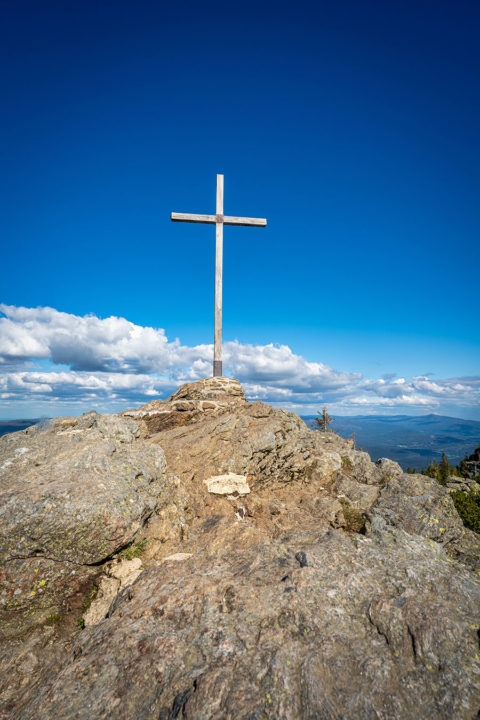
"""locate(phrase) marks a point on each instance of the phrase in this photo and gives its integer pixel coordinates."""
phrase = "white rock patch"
(120, 575)
(177, 557)
(229, 484)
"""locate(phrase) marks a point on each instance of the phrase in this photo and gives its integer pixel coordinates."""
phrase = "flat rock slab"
(229, 484)
(310, 626)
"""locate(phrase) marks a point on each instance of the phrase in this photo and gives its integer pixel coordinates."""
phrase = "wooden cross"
(219, 220)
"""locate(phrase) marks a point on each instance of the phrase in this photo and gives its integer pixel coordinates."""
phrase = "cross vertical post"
(217, 347)
(219, 220)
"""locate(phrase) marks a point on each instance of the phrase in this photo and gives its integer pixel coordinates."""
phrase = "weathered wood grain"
(252, 222)
(193, 218)
(218, 218)
(217, 347)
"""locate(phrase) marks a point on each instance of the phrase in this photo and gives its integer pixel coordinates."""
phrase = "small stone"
(301, 558)
(124, 570)
(389, 467)
(107, 591)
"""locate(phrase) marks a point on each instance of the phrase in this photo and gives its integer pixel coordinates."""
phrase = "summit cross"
(219, 220)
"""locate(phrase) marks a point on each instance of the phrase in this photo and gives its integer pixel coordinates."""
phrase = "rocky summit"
(205, 557)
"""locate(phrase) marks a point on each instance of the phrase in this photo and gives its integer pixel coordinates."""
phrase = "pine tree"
(463, 469)
(322, 421)
(432, 470)
(444, 470)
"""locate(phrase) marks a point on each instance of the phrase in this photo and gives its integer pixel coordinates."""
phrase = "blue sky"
(353, 127)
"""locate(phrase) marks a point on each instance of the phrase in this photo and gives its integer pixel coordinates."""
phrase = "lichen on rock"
(76, 495)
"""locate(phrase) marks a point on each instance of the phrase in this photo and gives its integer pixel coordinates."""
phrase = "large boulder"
(421, 506)
(72, 493)
(461, 484)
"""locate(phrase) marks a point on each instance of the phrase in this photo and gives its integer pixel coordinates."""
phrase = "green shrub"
(134, 550)
(468, 507)
(354, 520)
(439, 471)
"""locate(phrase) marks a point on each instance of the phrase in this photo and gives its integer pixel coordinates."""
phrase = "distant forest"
(442, 470)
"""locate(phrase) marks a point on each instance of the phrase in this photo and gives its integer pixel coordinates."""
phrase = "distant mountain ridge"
(410, 440)
(9, 426)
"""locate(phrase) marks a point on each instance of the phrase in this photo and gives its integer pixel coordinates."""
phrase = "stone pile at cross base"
(211, 558)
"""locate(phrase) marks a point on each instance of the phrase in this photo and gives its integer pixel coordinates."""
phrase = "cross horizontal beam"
(214, 219)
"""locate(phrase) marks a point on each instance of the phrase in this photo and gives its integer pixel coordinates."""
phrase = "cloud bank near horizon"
(50, 358)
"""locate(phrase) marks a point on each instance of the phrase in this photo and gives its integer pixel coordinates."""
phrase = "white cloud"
(84, 343)
(113, 361)
(76, 385)
(279, 366)
(388, 402)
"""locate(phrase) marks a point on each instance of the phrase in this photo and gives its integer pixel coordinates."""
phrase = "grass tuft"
(354, 520)
(134, 551)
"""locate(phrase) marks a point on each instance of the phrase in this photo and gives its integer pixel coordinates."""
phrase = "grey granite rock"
(461, 484)
(268, 605)
(72, 493)
(359, 628)
(421, 506)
